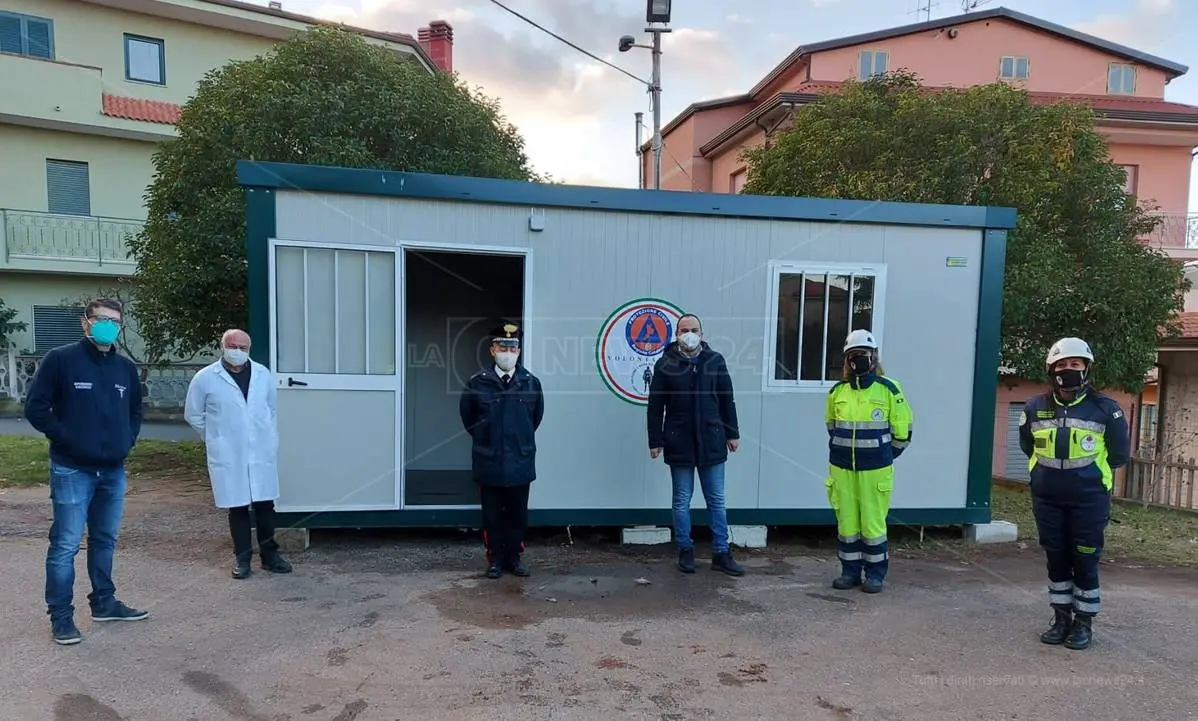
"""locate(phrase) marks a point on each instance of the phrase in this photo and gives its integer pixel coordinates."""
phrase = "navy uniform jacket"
(1083, 440)
(503, 424)
(88, 404)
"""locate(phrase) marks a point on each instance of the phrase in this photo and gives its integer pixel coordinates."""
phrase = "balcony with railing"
(83, 244)
(1176, 234)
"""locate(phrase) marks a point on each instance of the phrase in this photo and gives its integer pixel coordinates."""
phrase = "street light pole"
(640, 156)
(655, 91)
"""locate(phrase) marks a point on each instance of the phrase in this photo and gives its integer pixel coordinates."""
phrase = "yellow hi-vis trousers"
(861, 500)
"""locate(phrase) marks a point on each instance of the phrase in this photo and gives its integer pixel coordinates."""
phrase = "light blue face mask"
(105, 332)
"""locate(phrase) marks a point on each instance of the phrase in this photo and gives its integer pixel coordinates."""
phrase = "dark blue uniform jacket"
(503, 424)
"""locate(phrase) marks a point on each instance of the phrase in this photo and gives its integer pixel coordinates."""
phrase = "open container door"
(335, 355)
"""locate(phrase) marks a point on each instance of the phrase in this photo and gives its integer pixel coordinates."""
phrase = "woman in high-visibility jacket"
(869, 425)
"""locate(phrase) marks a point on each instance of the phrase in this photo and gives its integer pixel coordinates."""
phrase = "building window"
(814, 308)
(872, 62)
(26, 35)
(1121, 79)
(1013, 68)
(1130, 173)
(55, 326)
(737, 182)
(145, 60)
(68, 188)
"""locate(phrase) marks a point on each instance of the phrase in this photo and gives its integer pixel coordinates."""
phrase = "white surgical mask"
(236, 356)
(505, 361)
(690, 341)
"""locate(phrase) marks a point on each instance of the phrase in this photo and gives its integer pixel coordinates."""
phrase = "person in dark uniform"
(501, 408)
(1074, 438)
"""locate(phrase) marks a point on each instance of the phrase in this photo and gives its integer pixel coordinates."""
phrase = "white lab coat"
(241, 435)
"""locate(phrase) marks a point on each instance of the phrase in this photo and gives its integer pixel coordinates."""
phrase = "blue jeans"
(79, 498)
(711, 478)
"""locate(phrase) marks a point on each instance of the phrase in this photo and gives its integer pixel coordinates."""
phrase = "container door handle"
(294, 382)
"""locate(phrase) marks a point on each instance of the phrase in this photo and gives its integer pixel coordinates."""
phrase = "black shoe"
(519, 568)
(686, 560)
(1080, 634)
(117, 611)
(844, 582)
(872, 585)
(725, 563)
(275, 564)
(494, 571)
(1059, 630)
(64, 631)
(242, 570)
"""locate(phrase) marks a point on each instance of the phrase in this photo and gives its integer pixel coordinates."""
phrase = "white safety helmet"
(1069, 348)
(860, 339)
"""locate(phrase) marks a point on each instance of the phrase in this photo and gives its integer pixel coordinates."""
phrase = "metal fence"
(162, 387)
(1162, 482)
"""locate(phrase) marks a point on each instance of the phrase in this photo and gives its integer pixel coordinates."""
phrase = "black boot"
(1056, 633)
(1080, 633)
(872, 585)
(725, 563)
(518, 567)
(686, 560)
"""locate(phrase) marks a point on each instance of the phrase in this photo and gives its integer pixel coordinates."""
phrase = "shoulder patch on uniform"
(889, 385)
(1117, 414)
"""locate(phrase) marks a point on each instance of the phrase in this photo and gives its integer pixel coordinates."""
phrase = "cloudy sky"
(577, 116)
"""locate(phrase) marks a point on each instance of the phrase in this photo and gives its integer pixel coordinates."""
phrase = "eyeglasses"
(99, 318)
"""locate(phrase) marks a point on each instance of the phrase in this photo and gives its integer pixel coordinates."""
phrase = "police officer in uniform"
(869, 426)
(501, 408)
(1074, 438)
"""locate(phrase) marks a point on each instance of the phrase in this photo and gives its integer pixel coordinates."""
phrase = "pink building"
(1153, 139)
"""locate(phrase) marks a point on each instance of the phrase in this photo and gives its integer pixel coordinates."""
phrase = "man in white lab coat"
(231, 404)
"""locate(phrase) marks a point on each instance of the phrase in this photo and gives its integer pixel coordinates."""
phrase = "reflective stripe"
(1066, 463)
(1060, 599)
(860, 425)
(849, 555)
(1091, 595)
(899, 443)
(1085, 607)
(860, 442)
(875, 557)
(850, 539)
(1060, 585)
(1043, 426)
(1085, 425)
(875, 541)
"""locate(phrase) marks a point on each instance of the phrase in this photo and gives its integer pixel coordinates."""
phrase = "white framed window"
(1121, 79)
(812, 308)
(871, 63)
(1012, 67)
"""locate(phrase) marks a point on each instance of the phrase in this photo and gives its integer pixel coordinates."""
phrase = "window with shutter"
(26, 35)
(68, 188)
(55, 326)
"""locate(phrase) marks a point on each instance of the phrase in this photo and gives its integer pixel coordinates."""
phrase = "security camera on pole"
(656, 11)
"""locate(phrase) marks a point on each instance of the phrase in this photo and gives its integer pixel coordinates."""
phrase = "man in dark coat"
(501, 408)
(692, 422)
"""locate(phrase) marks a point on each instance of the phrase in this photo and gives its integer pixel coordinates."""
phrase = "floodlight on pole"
(656, 11)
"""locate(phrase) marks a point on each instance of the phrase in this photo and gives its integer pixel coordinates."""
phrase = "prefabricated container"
(372, 295)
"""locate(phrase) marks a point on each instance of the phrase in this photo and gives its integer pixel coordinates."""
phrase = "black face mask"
(860, 365)
(1069, 379)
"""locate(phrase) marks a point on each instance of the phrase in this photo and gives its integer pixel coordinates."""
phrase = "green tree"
(326, 97)
(1073, 266)
(9, 325)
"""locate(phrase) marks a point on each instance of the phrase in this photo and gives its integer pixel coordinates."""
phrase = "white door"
(335, 354)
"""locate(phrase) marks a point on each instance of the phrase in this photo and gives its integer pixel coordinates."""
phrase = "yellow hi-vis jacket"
(869, 423)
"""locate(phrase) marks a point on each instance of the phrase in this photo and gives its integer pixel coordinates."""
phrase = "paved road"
(377, 628)
(156, 430)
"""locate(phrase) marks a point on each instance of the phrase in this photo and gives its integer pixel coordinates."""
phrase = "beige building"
(89, 88)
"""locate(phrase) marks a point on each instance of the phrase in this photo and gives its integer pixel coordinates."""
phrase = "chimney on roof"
(276, 5)
(437, 41)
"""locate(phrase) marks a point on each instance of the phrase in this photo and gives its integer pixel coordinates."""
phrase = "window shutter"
(10, 34)
(55, 326)
(68, 188)
(40, 39)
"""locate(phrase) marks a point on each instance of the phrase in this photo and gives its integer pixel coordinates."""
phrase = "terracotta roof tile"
(150, 111)
(1189, 325)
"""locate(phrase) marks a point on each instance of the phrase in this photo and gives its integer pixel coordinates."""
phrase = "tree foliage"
(327, 97)
(9, 325)
(1073, 266)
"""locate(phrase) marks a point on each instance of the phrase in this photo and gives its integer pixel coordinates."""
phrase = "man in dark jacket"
(692, 421)
(86, 399)
(501, 408)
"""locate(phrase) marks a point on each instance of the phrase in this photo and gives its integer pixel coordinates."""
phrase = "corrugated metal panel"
(55, 326)
(68, 187)
(1015, 462)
